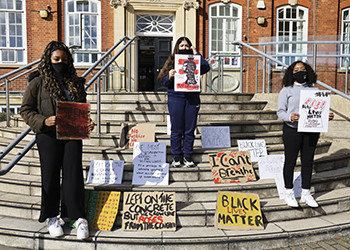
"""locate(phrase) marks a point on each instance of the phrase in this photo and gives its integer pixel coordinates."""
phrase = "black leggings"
(293, 143)
(54, 155)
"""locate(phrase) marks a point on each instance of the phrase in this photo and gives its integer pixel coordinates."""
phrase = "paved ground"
(338, 243)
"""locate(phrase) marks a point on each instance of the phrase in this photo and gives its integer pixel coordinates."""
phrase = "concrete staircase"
(195, 191)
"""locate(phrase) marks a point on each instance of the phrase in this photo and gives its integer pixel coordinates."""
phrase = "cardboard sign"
(72, 120)
(238, 211)
(150, 174)
(106, 171)
(256, 148)
(149, 152)
(216, 137)
(144, 211)
(131, 133)
(296, 185)
(314, 110)
(187, 76)
(270, 165)
(101, 209)
(231, 167)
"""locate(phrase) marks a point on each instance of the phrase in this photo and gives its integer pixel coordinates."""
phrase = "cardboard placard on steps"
(131, 133)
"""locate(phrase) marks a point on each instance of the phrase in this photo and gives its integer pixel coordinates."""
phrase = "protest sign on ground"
(231, 167)
(106, 171)
(131, 133)
(216, 137)
(72, 120)
(256, 148)
(270, 165)
(144, 211)
(238, 211)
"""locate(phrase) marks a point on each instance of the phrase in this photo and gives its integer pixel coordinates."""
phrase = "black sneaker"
(176, 162)
(189, 163)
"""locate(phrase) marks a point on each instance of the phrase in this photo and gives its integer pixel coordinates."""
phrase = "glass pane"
(3, 4)
(2, 41)
(10, 4)
(19, 5)
(86, 57)
(18, 18)
(227, 10)
(19, 42)
(86, 6)
(294, 13)
(5, 55)
(11, 55)
(214, 11)
(12, 41)
(12, 30)
(20, 56)
(288, 13)
(2, 17)
(220, 24)
(93, 7)
(221, 10)
(234, 12)
(19, 30)
(71, 7)
(80, 7)
(94, 58)
(11, 17)
(301, 14)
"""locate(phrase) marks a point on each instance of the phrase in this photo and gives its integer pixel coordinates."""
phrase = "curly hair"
(169, 64)
(70, 81)
(288, 76)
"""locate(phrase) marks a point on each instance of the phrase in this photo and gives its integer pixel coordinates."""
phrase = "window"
(83, 29)
(159, 25)
(291, 26)
(225, 26)
(345, 35)
(12, 32)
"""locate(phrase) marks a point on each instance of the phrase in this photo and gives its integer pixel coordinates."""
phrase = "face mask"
(300, 76)
(60, 68)
(186, 51)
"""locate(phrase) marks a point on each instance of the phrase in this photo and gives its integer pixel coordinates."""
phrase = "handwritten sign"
(216, 137)
(151, 174)
(296, 185)
(238, 211)
(131, 133)
(231, 167)
(314, 110)
(102, 209)
(187, 76)
(256, 148)
(149, 152)
(106, 171)
(72, 120)
(270, 165)
(144, 211)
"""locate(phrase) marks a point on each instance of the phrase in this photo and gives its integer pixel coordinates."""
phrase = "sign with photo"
(256, 148)
(231, 167)
(314, 110)
(216, 137)
(72, 121)
(106, 171)
(187, 76)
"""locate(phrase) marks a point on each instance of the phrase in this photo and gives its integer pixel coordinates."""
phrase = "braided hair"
(70, 81)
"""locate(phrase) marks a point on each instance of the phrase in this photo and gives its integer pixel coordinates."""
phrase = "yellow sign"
(238, 211)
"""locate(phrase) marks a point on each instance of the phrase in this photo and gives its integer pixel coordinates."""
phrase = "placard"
(296, 185)
(149, 211)
(101, 208)
(106, 171)
(72, 120)
(187, 76)
(150, 174)
(314, 110)
(131, 133)
(231, 167)
(256, 148)
(238, 211)
(270, 165)
(216, 137)
(149, 152)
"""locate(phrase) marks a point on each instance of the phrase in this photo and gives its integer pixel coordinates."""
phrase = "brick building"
(96, 25)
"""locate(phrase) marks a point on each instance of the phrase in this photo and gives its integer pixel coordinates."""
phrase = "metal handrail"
(19, 138)
(285, 65)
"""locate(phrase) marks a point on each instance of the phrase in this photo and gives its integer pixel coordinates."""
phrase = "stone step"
(147, 106)
(29, 234)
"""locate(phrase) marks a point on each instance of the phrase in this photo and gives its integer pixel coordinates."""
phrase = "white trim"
(155, 34)
(342, 36)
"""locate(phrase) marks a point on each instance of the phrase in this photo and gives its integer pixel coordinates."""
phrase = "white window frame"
(285, 52)
(229, 62)
(24, 35)
(345, 36)
(81, 35)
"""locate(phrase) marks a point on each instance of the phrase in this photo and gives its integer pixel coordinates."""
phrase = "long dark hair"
(288, 76)
(169, 64)
(70, 81)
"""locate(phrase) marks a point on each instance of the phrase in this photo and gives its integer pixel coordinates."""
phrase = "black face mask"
(186, 51)
(60, 68)
(300, 76)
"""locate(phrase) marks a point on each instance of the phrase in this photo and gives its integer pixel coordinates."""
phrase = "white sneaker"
(290, 198)
(54, 227)
(176, 162)
(189, 163)
(307, 198)
(82, 229)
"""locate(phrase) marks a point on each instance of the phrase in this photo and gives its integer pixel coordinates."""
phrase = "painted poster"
(101, 209)
(238, 211)
(149, 211)
(314, 110)
(270, 165)
(131, 133)
(216, 137)
(106, 171)
(231, 167)
(72, 120)
(187, 76)
(256, 148)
